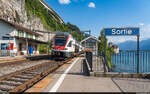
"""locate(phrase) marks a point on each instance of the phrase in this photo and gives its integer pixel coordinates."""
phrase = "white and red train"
(65, 46)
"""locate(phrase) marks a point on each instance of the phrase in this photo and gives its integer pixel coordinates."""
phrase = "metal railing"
(4, 53)
(126, 61)
(89, 58)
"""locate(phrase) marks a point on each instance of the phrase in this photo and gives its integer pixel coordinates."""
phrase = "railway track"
(21, 80)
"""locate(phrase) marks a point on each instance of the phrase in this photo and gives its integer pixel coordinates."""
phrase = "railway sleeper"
(11, 83)
(29, 74)
(23, 77)
(18, 80)
(34, 73)
(6, 87)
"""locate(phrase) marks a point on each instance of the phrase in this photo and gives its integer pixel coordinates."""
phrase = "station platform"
(69, 78)
(9, 59)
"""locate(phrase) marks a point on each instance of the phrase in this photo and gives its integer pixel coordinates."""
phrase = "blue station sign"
(121, 31)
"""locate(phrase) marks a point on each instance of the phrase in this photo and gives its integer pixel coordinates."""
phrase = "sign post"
(138, 52)
(129, 31)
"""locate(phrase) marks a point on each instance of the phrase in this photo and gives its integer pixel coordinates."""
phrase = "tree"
(75, 31)
(102, 38)
(72, 27)
(101, 47)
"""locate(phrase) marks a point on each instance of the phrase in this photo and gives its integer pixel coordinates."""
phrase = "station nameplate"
(121, 31)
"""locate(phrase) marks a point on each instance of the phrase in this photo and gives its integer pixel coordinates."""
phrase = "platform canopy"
(89, 38)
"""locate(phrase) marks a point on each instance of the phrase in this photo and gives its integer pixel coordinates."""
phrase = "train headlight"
(65, 49)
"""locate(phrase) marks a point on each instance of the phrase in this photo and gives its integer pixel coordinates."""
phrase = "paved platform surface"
(74, 81)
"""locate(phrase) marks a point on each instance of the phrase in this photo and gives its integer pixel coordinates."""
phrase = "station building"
(91, 43)
(17, 40)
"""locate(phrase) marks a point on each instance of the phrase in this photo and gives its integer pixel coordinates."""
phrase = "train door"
(76, 48)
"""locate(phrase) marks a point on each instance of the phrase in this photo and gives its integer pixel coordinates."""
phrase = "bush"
(101, 48)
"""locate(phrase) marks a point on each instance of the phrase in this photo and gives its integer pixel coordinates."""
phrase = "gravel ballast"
(12, 68)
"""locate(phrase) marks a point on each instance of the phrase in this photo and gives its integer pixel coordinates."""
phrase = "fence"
(89, 58)
(87, 66)
(126, 61)
(6, 53)
(96, 63)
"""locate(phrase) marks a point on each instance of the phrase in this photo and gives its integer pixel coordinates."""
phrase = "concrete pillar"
(27, 46)
(38, 49)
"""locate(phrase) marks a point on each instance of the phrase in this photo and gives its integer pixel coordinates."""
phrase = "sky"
(95, 15)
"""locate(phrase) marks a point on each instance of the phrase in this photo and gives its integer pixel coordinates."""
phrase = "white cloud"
(145, 32)
(120, 39)
(64, 1)
(141, 24)
(91, 5)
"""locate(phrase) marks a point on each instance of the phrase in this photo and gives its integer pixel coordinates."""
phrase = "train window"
(70, 44)
(60, 42)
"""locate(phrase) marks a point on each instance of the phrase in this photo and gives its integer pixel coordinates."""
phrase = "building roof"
(31, 40)
(89, 38)
(19, 27)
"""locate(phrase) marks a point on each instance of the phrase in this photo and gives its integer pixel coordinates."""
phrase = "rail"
(21, 80)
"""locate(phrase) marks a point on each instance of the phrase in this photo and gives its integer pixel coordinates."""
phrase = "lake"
(126, 61)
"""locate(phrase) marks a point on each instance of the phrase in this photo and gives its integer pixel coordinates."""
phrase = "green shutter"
(26, 35)
(22, 34)
(18, 33)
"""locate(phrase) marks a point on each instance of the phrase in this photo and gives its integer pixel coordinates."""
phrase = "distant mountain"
(145, 44)
(132, 45)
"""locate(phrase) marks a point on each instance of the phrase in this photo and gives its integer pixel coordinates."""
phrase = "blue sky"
(95, 15)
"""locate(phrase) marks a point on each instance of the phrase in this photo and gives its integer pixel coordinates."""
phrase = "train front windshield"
(60, 41)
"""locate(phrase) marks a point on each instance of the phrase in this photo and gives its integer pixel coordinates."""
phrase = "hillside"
(36, 9)
(34, 15)
(49, 19)
(14, 10)
(31, 14)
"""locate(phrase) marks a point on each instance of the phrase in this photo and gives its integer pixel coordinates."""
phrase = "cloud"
(141, 24)
(91, 5)
(64, 1)
(145, 32)
(121, 39)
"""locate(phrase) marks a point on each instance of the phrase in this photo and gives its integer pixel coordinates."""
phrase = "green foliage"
(78, 36)
(72, 27)
(75, 31)
(101, 48)
(43, 48)
(101, 45)
(35, 9)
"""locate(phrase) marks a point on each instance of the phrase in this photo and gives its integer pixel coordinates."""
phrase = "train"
(65, 46)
